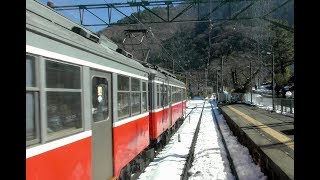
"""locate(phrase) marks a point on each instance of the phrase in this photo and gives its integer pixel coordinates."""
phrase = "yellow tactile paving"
(282, 138)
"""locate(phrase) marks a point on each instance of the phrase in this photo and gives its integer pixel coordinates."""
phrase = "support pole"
(251, 81)
(221, 74)
(273, 80)
(217, 86)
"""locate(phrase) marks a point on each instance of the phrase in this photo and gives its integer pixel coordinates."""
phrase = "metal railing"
(283, 105)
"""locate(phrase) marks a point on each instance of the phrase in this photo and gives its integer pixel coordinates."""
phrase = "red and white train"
(91, 112)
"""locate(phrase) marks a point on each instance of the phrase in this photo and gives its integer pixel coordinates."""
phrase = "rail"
(232, 167)
(190, 157)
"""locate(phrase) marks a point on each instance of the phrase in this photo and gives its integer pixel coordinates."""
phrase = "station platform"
(269, 136)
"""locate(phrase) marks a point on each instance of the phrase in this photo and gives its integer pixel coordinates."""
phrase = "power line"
(169, 55)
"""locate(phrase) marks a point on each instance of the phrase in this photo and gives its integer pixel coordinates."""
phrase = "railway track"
(136, 175)
(190, 157)
(232, 167)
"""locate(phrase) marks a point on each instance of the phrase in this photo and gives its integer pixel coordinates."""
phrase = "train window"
(182, 94)
(64, 107)
(135, 96)
(161, 95)
(173, 94)
(177, 92)
(158, 96)
(32, 102)
(63, 111)
(170, 94)
(123, 105)
(135, 103)
(32, 119)
(30, 71)
(144, 97)
(144, 86)
(30, 116)
(123, 97)
(99, 99)
(60, 75)
(135, 84)
(144, 102)
(123, 83)
(165, 95)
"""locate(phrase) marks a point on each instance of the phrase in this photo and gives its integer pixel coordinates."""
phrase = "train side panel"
(160, 122)
(129, 140)
(70, 161)
(176, 112)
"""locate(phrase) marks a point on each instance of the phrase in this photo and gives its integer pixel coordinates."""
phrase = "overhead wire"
(150, 30)
(177, 52)
(164, 48)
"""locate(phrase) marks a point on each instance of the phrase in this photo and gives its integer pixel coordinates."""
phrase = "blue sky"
(88, 18)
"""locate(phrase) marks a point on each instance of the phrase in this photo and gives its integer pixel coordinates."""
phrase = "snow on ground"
(269, 108)
(245, 167)
(210, 159)
(169, 163)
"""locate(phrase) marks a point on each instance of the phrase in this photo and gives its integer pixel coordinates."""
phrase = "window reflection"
(135, 84)
(60, 75)
(123, 83)
(99, 99)
(63, 110)
(30, 116)
(123, 105)
(30, 69)
(135, 103)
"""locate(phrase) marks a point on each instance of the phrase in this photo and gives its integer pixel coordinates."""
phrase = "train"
(92, 110)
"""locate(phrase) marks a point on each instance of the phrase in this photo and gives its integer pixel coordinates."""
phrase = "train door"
(102, 161)
(182, 99)
(170, 103)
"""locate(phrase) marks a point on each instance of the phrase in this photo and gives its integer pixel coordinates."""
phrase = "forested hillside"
(183, 47)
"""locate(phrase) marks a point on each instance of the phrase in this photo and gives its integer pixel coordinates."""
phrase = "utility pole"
(207, 65)
(172, 66)
(259, 61)
(272, 51)
(217, 91)
(251, 81)
(273, 108)
(206, 76)
(221, 74)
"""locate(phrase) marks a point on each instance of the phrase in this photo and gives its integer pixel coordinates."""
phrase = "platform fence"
(283, 105)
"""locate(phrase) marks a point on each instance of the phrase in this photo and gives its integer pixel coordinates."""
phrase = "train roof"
(52, 24)
(160, 72)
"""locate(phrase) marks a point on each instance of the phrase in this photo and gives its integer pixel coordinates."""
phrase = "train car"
(166, 112)
(167, 96)
(178, 100)
(86, 105)
(89, 112)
